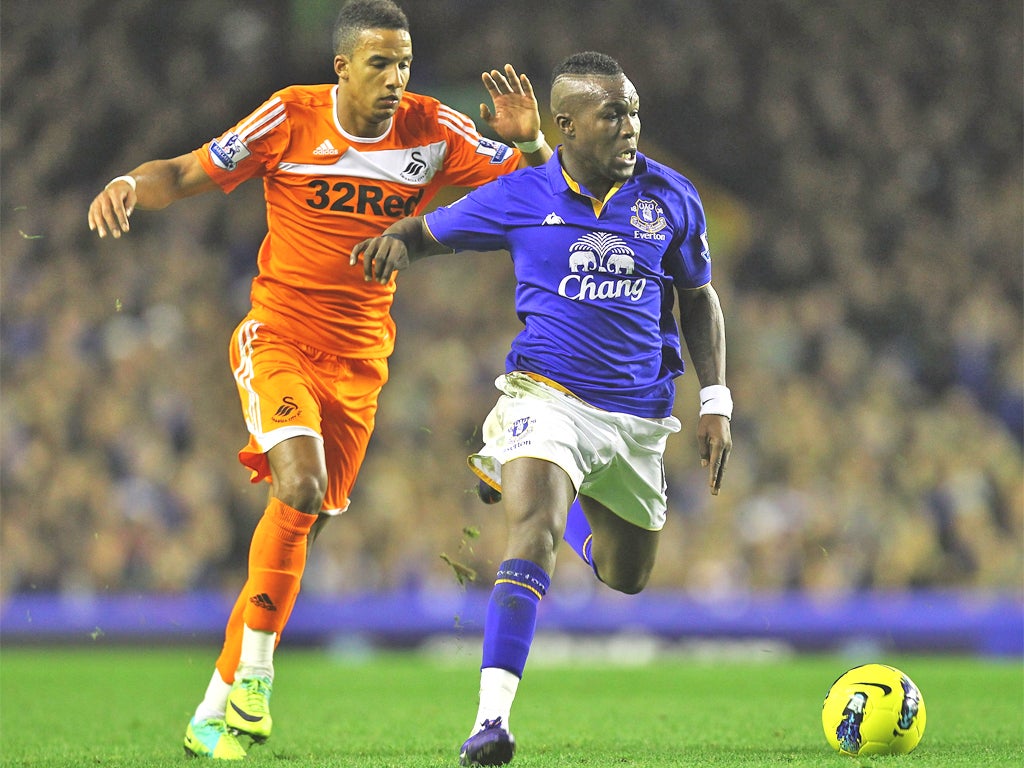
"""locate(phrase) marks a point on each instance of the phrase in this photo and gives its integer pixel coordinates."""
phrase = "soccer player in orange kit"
(339, 164)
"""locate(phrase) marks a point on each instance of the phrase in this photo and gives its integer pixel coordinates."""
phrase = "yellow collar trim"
(597, 205)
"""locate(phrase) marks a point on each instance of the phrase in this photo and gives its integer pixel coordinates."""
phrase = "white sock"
(497, 691)
(215, 701)
(257, 653)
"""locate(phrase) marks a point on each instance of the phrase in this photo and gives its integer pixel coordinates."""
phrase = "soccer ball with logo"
(873, 709)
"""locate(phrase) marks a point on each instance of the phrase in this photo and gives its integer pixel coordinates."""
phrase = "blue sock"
(512, 614)
(578, 534)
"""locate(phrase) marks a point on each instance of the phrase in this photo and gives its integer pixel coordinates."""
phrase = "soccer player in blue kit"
(603, 241)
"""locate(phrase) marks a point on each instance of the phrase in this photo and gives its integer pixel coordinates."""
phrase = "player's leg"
(214, 704)
(239, 691)
(277, 559)
(536, 494)
(615, 521)
(308, 474)
(622, 554)
(283, 418)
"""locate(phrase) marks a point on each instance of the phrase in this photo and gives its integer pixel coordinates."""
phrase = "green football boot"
(248, 710)
(211, 738)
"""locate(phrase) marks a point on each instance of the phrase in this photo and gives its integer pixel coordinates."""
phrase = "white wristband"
(529, 147)
(716, 399)
(129, 180)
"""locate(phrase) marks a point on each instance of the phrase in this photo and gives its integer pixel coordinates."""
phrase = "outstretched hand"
(111, 208)
(714, 441)
(382, 257)
(516, 116)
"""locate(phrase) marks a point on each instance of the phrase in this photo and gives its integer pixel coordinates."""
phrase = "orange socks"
(277, 558)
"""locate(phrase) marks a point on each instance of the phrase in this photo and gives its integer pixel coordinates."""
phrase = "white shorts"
(614, 458)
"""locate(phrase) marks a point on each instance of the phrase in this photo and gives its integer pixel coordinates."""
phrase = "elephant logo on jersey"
(582, 260)
(648, 218)
(601, 252)
(600, 267)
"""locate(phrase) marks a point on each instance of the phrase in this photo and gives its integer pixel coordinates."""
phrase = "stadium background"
(861, 166)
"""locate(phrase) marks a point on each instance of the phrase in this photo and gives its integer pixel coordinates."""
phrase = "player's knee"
(629, 581)
(535, 540)
(632, 587)
(304, 492)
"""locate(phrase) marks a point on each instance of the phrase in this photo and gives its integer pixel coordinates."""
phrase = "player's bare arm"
(153, 185)
(404, 242)
(516, 116)
(703, 325)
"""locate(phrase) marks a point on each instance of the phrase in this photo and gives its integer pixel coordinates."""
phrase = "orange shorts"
(290, 389)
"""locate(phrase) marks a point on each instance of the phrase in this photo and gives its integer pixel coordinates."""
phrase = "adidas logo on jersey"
(552, 218)
(326, 148)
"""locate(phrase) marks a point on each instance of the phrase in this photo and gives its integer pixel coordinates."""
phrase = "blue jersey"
(594, 283)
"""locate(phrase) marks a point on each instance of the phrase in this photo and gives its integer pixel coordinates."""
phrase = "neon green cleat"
(211, 738)
(248, 710)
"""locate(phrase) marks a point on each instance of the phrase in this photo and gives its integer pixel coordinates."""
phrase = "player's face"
(605, 127)
(372, 80)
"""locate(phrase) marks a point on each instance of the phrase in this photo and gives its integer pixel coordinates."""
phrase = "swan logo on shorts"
(600, 267)
(287, 411)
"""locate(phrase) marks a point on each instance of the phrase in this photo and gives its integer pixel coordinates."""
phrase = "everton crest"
(648, 216)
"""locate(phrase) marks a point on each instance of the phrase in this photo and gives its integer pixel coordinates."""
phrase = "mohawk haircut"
(357, 15)
(587, 63)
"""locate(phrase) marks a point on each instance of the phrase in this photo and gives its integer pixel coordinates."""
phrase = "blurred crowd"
(860, 162)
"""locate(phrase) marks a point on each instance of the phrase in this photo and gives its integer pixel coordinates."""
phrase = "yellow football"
(873, 709)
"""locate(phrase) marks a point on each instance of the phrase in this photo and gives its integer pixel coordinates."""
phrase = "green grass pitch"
(115, 707)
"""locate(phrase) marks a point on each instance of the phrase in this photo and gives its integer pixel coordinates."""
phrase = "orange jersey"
(327, 190)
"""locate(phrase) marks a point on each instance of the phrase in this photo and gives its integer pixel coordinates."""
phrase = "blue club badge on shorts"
(519, 434)
(520, 427)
